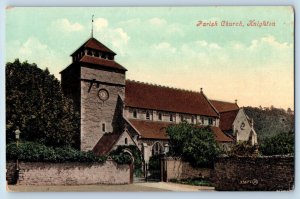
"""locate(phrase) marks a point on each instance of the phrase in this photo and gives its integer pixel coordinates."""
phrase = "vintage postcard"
(150, 98)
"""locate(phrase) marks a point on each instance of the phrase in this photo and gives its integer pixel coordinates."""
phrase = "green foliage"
(35, 152)
(244, 149)
(270, 121)
(192, 181)
(280, 144)
(196, 145)
(154, 162)
(122, 157)
(35, 104)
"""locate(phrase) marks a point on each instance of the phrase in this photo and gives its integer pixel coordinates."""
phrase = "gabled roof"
(227, 119)
(149, 96)
(220, 136)
(94, 44)
(222, 106)
(103, 62)
(106, 143)
(157, 130)
(150, 129)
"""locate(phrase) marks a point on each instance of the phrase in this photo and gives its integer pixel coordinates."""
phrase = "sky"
(252, 64)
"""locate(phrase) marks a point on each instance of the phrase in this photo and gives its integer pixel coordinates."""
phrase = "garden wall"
(73, 173)
(268, 173)
(175, 168)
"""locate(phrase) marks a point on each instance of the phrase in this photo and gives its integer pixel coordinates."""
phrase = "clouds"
(157, 21)
(35, 51)
(66, 26)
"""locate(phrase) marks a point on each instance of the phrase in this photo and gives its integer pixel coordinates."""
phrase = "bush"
(244, 149)
(122, 157)
(194, 144)
(35, 152)
(280, 144)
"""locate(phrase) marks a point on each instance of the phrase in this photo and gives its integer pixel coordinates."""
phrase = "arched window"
(157, 149)
(126, 141)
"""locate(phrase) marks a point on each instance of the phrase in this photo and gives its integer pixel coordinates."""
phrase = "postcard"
(150, 98)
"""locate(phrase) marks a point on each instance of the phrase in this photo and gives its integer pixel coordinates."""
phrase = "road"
(137, 187)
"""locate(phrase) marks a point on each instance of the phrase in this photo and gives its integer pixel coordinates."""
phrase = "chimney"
(201, 90)
(235, 101)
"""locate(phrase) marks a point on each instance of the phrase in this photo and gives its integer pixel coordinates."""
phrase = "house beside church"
(115, 111)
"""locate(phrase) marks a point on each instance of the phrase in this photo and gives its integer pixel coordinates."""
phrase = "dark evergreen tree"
(36, 105)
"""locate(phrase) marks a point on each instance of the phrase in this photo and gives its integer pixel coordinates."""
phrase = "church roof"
(103, 62)
(222, 106)
(150, 129)
(228, 112)
(227, 119)
(94, 44)
(157, 130)
(149, 96)
(106, 143)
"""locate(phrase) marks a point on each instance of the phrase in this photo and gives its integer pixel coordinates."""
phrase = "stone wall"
(40, 173)
(175, 168)
(94, 111)
(269, 173)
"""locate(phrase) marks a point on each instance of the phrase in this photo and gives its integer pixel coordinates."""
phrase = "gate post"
(163, 169)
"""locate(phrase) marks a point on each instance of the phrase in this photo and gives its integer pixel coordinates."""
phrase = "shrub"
(35, 152)
(280, 144)
(194, 144)
(244, 149)
(122, 157)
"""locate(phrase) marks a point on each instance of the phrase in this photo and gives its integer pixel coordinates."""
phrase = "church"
(116, 111)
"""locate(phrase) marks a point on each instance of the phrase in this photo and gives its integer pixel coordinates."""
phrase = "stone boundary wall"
(73, 173)
(175, 168)
(267, 173)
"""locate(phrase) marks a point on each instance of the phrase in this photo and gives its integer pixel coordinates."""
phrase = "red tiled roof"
(224, 106)
(96, 45)
(227, 119)
(157, 130)
(149, 129)
(106, 143)
(99, 61)
(220, 136)
(148, 96)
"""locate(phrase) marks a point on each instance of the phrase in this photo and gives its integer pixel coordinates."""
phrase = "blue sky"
(164, 46)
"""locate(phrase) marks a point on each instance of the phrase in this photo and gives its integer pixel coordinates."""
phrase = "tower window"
(103, 127)
(147, 115)
(134, 114)
(89, 52)
(103, 55)
(181, 118)
(159, 116)
(193, 119)
(96, 54)
(202, 120)
(126, 141)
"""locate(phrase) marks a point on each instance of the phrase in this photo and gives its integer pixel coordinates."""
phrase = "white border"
(175, 195)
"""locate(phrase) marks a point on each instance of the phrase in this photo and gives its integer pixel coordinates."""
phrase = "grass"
(192, 181)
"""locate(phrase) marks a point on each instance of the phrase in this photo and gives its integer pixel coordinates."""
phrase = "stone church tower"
(96, 83)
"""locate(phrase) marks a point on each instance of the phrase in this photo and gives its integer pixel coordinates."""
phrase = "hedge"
(35, 152)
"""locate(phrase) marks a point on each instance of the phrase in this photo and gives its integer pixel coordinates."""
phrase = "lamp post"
(17, 133)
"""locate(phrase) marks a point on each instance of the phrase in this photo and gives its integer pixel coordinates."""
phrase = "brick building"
(115, 111)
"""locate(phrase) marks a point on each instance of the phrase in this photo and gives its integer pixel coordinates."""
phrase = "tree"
(195, 144)
(279, 144)
(36, 105)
